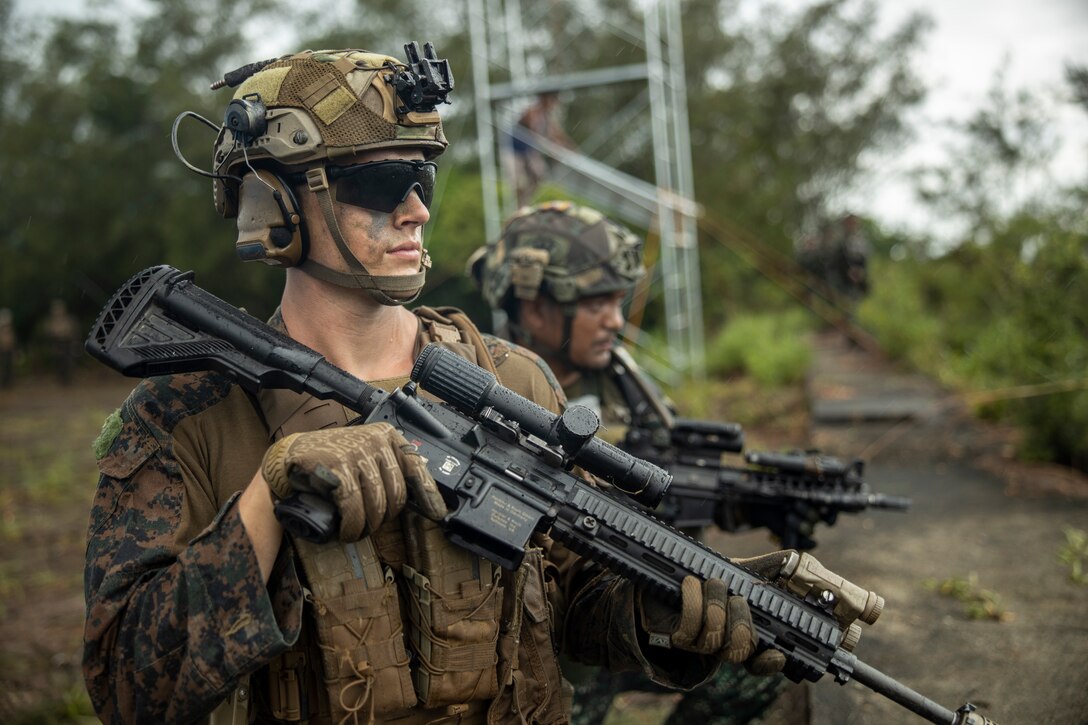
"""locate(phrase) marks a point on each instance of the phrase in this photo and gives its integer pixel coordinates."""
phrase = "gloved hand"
(366, 471)
(710, 622)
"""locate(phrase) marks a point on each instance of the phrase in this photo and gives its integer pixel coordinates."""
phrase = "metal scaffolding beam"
(664, 204)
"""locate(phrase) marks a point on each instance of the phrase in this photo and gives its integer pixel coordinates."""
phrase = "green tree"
(92, 191)
(1005, 308)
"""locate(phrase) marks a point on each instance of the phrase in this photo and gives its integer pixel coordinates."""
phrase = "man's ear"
(530, 316)
(534, 315)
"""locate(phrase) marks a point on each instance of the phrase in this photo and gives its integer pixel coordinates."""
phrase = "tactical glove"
(710, 622)
(366, 471)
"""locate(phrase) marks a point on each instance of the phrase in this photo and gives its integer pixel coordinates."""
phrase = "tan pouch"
(365, 662)
(454, 602)
(533, 690)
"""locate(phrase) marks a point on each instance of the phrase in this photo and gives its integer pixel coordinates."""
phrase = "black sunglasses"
(382, 185)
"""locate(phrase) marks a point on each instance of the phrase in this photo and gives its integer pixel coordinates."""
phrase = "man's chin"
(596, 361)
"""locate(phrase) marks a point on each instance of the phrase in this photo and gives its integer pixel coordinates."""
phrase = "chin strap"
(390, 290)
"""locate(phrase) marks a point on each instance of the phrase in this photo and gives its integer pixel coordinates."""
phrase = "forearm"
(264, 530)
(602, 628)
(166, 637)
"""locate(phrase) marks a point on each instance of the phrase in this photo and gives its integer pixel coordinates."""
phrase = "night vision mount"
(427, 81)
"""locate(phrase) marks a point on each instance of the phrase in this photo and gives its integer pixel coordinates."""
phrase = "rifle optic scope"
(470, 389)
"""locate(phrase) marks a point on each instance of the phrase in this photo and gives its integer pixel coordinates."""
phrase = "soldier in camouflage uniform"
(559, 275)
(199, 607)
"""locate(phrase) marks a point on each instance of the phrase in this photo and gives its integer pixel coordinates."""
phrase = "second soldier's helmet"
(292, 118)
(558, 249)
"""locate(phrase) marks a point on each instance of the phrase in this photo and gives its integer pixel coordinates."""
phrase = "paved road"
(965, 524)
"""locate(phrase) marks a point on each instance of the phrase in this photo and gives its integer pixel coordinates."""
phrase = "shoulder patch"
(110, 428)
(147, 418)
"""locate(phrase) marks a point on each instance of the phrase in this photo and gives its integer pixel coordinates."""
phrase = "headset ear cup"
(246, 118)
(269, 223)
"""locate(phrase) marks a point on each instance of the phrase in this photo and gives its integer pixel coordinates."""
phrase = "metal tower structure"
(664, 205)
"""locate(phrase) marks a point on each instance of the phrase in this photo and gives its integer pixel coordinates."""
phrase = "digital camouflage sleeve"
(176, 607)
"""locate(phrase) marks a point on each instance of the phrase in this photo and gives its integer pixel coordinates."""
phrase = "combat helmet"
(559, 249)
(301, 119)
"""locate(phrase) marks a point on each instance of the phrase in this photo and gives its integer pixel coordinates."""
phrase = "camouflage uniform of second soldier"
(567, 252)
(397, 626)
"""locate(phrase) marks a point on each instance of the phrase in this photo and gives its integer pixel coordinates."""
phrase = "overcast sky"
(970, 41)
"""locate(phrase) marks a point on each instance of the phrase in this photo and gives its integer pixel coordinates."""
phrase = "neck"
(564, 373)
(352, 330)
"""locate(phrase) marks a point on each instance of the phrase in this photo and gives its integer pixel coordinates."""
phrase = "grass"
(47, 481)
(1074, 554)
(978, 603)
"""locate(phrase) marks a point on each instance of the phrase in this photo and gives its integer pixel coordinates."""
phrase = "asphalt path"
(979, 520)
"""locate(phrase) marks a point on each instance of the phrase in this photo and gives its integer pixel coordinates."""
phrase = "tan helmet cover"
(323, 107)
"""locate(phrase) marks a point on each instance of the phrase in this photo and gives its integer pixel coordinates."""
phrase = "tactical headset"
(270, 227)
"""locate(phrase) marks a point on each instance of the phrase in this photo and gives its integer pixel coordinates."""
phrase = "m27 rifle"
(503, 466)
(788, 493)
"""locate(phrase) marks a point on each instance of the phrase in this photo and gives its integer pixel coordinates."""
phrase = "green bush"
(1001, 316)
(770, 347)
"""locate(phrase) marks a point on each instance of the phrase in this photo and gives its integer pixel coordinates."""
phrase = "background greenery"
(788, 111)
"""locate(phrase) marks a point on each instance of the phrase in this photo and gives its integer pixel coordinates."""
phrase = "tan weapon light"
(803, 575)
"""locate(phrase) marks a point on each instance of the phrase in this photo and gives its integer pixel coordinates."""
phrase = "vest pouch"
(454, 602)
(363, 655)
(534, 690)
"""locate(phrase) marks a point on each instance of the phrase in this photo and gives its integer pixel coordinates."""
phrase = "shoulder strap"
(443, 320)
(636, 388)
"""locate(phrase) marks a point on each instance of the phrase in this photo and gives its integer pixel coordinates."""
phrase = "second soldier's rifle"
(787, 493)
(502, 464)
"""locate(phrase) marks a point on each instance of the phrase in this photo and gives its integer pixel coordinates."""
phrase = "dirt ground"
(987, 527)
(47, 481)
(1011, 636)
(1014, 637)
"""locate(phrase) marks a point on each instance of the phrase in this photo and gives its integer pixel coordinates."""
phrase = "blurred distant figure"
(60, 329)
(838, 255)
(7, 348)
(530, 166)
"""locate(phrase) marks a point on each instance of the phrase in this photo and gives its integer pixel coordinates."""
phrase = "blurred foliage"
(1074, 554)
(1007, 305)
(92, 193)
(978, 603)
(772, 348)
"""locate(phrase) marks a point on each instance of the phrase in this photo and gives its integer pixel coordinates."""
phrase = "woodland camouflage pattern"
(177, 612)
(562, 249)
(170, 628)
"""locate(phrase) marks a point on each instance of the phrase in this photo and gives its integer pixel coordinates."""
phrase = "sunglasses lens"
(383, 185)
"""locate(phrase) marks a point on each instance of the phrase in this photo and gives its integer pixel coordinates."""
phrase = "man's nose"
(613, 317)
(412, 210)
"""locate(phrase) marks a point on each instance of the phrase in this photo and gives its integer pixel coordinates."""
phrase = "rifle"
(788, 493)
(502, 464)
